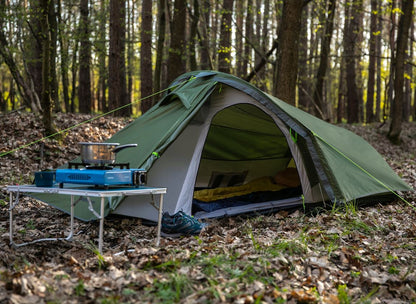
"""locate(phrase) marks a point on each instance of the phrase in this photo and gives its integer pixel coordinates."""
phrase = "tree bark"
(33, 49)
(176, 60)
(379, 66)
(117, 92)
(204, 34)
(53, 31)
(161, 21)
(399, 68)
(370, 117)
(46, 80)
(248, 37)
(146, 81)
(287, 57)
(224, 56)
(350, 39)
(84, 87)
(101, 46)
(318, 95)
(304, 77)
(193, 41)
(64, 55)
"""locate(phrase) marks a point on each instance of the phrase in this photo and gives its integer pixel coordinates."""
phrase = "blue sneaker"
(180, 224)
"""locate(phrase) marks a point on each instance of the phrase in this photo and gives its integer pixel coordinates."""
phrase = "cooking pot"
(101, 153)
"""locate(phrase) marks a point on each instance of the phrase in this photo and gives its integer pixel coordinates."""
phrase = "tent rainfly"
(223, 147)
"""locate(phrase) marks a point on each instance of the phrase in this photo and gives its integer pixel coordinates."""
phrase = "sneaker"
(180, 224)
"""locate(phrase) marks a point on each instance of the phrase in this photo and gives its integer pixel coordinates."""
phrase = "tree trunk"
(239, 11)
(248, 37)
(203, 32)
(399, 68)
(193, 41)
(379, 66)
(176, 60)
(205, 61)
(46, 80)
(146, 81)
(161, 20)
(407, 99)
(101, 46)
(350, 39)
(117, 92)
(224, 56)
(130, 49)
(287, 57)
(74, 71)
(318, 95)
(33, 49)
(64, 55)
(84, 88)
(53, 31)
(372, 64)
(304, 78)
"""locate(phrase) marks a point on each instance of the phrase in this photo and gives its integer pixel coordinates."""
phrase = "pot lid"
(96, 143)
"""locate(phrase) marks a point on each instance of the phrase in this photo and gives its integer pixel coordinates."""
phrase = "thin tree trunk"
(193, 41)
(248, 37)
(350, 39)
(399, 68)
(176, 60)
(130, 50)
(117, 91)
(84, 89)
(46, 81)
(146, 81)
(204, 34)
(239, 11)
(318, 95)
(53, 31)
(64, 55)
(101, 46)
(379, 67)
(74, 71)
(224, 57)
(372, 64)
(303, 66)
(160, 44)
(33, 52)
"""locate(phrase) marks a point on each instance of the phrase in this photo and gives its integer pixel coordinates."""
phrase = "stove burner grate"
(77, 165)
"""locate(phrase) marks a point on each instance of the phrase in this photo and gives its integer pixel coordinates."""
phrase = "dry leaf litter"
(354, 254)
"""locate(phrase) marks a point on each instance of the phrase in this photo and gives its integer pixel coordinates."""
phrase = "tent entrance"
(246, 160)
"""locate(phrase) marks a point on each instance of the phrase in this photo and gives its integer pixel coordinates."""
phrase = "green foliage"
(100, 258)
(343, 296)
(172, 289)
(79, 289)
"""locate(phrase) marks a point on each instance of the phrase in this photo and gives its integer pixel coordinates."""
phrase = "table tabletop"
(87, 190)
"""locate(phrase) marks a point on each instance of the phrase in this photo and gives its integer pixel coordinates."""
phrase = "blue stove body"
(100, 177)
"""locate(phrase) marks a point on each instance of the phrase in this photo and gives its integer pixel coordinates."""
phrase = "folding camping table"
(84, 194)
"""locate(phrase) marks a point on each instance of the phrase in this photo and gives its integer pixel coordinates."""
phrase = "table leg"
(11, 219)
(159, 221)
(71, 233)
(100, 237)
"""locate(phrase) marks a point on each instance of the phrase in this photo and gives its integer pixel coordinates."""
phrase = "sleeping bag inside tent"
(223, 147)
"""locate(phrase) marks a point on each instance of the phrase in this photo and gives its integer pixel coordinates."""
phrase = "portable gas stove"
(101, 175)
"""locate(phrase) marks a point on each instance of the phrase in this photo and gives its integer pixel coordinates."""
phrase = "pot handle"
(118, 148)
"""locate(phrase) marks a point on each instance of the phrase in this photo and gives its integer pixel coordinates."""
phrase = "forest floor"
(354, 254)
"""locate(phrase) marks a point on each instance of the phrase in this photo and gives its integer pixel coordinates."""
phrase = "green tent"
(223, 147)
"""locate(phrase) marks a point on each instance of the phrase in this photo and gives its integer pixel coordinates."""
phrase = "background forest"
(341, 60)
